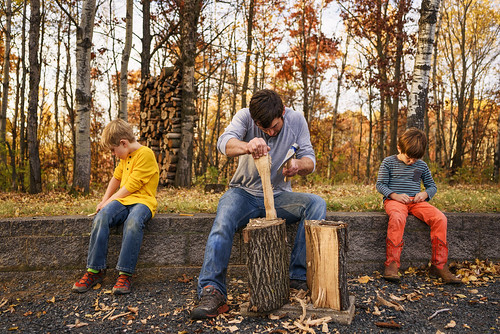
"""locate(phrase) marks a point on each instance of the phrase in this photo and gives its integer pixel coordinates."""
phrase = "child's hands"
(403, 198)
(420, 197)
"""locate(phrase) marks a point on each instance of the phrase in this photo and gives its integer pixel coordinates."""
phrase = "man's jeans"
(236, 207)
(133, 217)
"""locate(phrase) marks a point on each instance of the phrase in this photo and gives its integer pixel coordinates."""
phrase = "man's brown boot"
(445, 275)
(391, 272)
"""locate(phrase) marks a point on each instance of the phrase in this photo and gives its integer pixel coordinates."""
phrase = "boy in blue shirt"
(399, 181)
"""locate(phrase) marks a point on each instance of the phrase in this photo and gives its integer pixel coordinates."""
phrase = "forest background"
(346, 64)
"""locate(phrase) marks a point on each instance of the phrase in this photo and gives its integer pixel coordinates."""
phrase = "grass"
(343, 197)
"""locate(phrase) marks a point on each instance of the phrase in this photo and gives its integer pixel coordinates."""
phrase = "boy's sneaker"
(88, 281)
(123, 284)
(212, 303)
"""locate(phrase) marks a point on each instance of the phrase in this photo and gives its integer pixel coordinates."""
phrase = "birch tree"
(125, 59)
(84, 31)
(6, 70)
(417, 105)
(189, 15)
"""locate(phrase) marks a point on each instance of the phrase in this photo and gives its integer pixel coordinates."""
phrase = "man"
(266, 127)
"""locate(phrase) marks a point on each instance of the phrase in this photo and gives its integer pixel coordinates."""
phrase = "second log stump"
(326, 249)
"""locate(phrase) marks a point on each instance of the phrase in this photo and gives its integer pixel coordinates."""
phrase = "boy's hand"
(420, 197)
(403, 198)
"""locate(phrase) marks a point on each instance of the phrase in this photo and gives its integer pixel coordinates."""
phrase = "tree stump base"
(267, 263)
(296, 311)
(326, 249)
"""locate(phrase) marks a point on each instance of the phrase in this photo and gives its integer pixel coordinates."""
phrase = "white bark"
(81, 177)
(125, 59)
(429, 12)
(6, 66)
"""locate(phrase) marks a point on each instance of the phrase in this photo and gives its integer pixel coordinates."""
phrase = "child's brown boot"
(391, 272)
(392, 253)
(439, 259)
(445, 275)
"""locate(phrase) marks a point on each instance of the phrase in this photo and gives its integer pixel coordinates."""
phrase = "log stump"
(326, 249)
(267, 264)
(267, 251)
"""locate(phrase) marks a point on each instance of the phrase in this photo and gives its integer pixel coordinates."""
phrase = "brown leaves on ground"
(478, 272)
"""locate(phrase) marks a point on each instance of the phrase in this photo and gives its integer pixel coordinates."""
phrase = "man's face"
(275, 127)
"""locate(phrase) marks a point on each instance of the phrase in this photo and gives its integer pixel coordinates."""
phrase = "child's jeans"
(398, 212)
(133, 217)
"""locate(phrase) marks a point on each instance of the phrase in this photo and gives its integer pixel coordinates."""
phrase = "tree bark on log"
(267, 264)
(326, 249)
(267, 251)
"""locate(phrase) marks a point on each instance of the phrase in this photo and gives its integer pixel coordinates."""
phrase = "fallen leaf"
(393, 304)
(97, 286)
(134, 310)
(78, 324)
(466, 326)
(451, 324)
(364, 279)
(233, 328)
(52, 300)
(459, 295)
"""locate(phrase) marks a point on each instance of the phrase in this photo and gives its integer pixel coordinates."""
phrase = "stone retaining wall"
(173, 243)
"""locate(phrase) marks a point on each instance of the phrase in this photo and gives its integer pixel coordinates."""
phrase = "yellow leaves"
(52, 300)
(364, 279)
(451, 324)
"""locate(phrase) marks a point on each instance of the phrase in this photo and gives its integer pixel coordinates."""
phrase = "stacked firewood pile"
(160, 121)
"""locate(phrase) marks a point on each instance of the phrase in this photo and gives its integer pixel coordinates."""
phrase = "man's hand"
(257, 147)
(403, 198)
(291, 168)
(420, 197)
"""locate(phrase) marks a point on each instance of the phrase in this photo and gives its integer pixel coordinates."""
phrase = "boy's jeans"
(133, 217)
(236, 207)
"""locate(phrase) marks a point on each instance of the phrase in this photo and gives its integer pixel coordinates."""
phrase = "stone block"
(77, 225)
(12, 253)
(5, 228)
(163, 250)
(56, 252)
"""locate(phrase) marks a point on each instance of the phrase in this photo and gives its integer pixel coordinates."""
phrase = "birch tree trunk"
(6, 71)
(34, 157)
(417, 106)
(81, 176)
(189, 15)
(125, 58)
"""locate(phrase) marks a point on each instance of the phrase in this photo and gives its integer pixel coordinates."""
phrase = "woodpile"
(160, 120)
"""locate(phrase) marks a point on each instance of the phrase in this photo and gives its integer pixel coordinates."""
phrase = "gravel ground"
(164, 306)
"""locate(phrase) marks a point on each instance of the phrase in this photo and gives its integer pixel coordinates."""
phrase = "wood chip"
(391, 324)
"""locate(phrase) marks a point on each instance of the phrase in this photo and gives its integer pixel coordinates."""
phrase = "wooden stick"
(263, 167)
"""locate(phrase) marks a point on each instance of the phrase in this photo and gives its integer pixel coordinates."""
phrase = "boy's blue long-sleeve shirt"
(394, 176)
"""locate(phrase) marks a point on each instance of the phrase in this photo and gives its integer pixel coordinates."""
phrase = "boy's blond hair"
(114, 132)
(413, 143)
